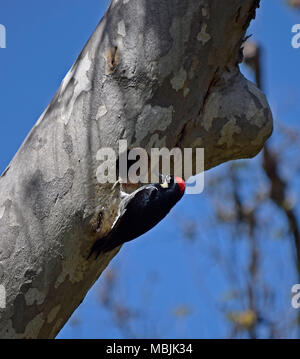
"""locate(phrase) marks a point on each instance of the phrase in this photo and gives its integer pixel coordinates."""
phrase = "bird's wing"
(144, 194)
(109, 242)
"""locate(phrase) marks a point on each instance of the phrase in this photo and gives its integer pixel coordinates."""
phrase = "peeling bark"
(157, 73)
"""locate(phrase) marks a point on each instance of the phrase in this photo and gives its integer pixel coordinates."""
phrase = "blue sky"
(43, 41)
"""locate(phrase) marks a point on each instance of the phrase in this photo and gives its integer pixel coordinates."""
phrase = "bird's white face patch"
(165, 185)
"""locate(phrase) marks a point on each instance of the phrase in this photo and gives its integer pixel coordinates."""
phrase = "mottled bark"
(157, 73)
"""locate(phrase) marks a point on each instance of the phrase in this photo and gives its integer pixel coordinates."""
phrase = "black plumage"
(139, 212)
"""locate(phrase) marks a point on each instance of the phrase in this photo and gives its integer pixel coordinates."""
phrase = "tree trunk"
(156, 73)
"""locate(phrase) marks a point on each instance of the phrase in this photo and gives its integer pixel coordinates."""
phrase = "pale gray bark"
(157, 73)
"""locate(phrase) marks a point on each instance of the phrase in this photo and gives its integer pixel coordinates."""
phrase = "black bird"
(139, 212)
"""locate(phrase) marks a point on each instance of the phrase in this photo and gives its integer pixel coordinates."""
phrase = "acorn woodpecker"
(140, 211)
